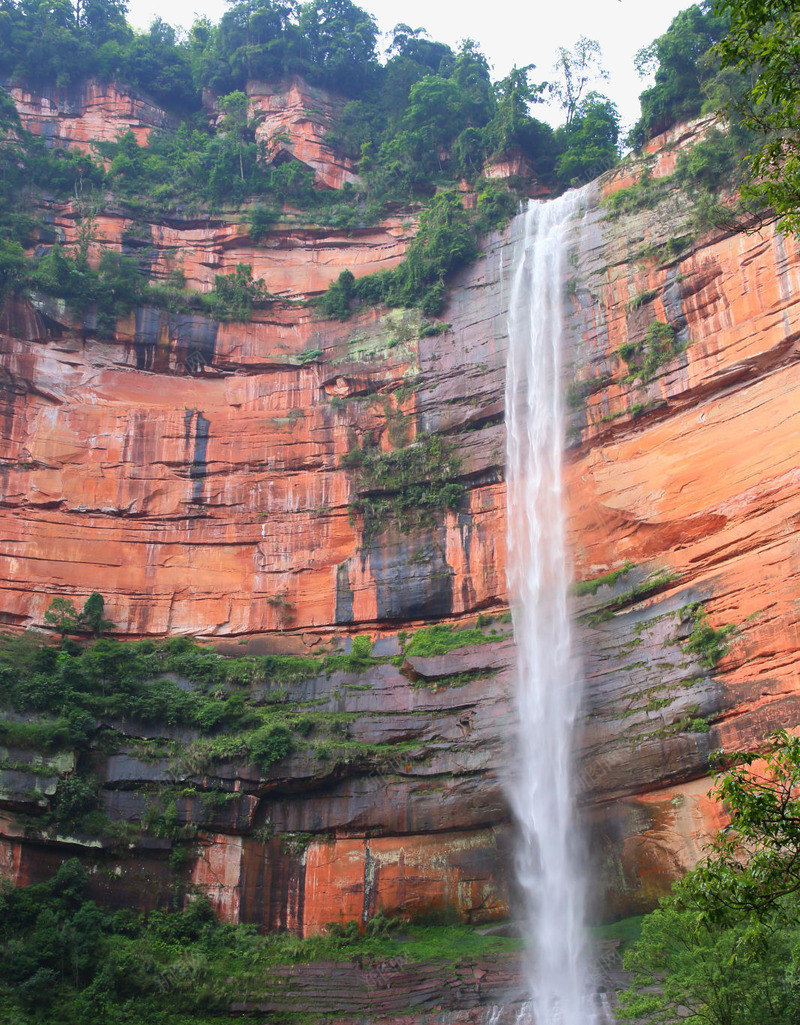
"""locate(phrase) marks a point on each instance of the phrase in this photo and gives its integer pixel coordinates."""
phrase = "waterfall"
(549, 869)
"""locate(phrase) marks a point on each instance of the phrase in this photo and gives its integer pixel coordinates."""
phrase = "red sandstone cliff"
(193, 471)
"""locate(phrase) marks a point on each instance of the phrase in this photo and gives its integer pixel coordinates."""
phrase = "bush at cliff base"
(724, 948)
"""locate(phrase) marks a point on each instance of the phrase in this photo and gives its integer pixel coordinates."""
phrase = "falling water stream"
(549, 868)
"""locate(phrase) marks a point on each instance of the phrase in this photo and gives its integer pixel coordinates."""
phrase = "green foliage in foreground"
(763, 47)
(724, 948)
(65, 960)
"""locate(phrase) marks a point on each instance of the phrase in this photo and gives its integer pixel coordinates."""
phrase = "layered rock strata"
(199, 476)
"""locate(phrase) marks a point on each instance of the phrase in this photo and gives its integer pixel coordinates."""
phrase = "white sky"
(507, 31)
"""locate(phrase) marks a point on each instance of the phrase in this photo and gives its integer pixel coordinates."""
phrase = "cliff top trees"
(683, 68)
(763, 45)
(576, 70)
(329, 42)
(339, 44)
(589, 141)
(62, 42)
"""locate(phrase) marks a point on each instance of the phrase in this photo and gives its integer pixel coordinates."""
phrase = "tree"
(91, 615)
(13, 268)
(433, 118)
(471, 77)
(683, 67)
(255, 39)
(65, 618)
(62, 615)
(233, 123)
(589, 141)
(577, 69)
(413, 44)
(102, 20)
(157, 62)
(763, 43)
(340, 42)
(444, 242)
(723, 948)
(512, 128)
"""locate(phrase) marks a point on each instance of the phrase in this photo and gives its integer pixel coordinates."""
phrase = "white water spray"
(548, 687)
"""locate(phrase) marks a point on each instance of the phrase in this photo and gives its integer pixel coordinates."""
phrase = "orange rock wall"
(192, 472)
(293, 120)
(94, 111)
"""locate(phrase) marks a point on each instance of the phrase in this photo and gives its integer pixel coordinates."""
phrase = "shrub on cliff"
(236, 294)
(407, 487)
(62, 616)
(13, 268)
(446, 240)
(112, 290)
(271, 744)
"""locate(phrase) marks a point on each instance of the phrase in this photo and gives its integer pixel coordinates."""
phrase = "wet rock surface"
(196, 474)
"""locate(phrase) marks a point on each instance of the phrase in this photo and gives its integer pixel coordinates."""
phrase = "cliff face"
(197, 474)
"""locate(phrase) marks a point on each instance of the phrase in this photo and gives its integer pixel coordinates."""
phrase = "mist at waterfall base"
(550, 873)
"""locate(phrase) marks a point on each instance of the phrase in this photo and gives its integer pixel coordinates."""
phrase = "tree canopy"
(683, 66)
(724, 948)
(763, 47)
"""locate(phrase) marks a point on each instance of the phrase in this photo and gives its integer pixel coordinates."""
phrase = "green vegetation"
(582, 587)
(62, 44)
(128, 679)
(654, 583)
(65, 618)
(704, 641)
(65, 960)
(659, 345)
(447, 239)
(270, 744)
(723, 948)
(579, 391)
(714, 166)
(589, 143)
(416, 124)
(686, 72)
(762, 50)
(625, 932)
(79, 697)
(210, 709)
(408, 487)
(644, 194)
(734, 58)
(443, 638)
(117, 286)
(93, 280)
(642, 298)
